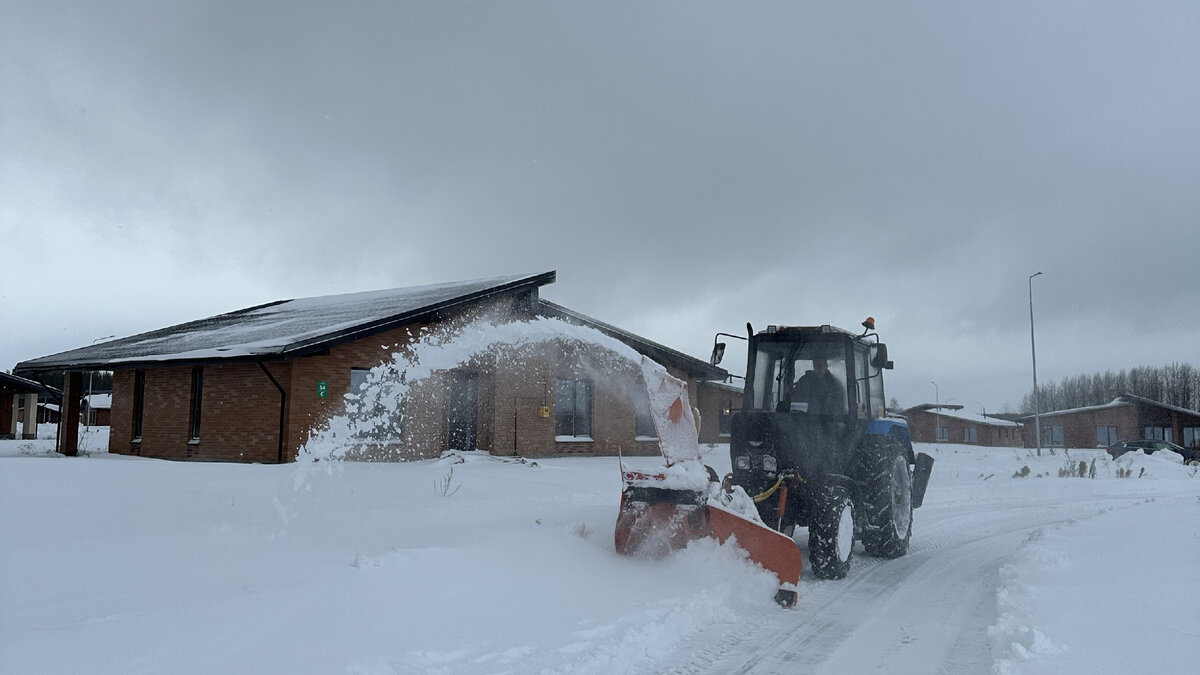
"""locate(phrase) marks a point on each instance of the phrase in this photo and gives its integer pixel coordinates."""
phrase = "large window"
(139, 403)
(943, 434)
(358, 377)
(643, 421)
(970, 434)
(1052, 435)
(1159, 434)
(197, 396)
(1105, 436)
(1191, 437)
(573, 409)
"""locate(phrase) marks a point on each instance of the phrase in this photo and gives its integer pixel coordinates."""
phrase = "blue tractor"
(814, 445)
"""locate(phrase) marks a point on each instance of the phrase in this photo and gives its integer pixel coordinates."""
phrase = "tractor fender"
(851, 485)
(896, 428)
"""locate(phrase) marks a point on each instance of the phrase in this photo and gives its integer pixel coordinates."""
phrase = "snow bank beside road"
(1108, 594)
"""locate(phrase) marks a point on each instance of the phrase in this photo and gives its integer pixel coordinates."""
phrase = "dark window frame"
(139, 404)
(197, 400)
(569, 421)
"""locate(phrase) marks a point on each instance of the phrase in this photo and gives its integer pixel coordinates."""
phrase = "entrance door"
(464, 409)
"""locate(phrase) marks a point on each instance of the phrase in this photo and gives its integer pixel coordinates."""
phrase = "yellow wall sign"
(544, 411)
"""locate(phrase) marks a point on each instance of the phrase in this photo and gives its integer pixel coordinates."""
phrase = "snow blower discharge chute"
(661, 512)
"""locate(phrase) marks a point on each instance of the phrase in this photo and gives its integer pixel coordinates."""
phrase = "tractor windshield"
(800, 375)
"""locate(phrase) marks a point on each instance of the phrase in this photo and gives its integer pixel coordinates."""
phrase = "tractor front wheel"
(887, 510)
(831, 534)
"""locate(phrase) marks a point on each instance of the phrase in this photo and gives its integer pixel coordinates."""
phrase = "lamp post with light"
(87, 421)
(1037, 412)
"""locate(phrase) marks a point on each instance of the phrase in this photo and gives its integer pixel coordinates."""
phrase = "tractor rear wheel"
(887, 511)
(831, 534)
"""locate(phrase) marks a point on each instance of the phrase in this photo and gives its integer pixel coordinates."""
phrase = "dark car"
(1190, 455)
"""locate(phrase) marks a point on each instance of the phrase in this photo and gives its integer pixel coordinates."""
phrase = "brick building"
(252, 384)
(947, 423)
(1125, 418)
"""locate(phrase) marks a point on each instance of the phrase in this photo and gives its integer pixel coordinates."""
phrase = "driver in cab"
(820, 390)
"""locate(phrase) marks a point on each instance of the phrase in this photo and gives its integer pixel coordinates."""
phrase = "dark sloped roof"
(663, 355)
(16, 384)
(286, 328)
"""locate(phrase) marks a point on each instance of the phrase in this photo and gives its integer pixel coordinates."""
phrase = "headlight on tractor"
(769, 464)
(743, 462)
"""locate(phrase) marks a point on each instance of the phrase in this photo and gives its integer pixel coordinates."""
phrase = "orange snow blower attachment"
(663, 511)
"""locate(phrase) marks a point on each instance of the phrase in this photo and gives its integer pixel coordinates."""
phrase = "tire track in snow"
(926, 612)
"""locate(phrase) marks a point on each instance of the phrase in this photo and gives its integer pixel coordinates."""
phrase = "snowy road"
(928, 612)
(376, 570)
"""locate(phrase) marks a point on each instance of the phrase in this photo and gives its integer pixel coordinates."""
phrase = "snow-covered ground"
(474, 564)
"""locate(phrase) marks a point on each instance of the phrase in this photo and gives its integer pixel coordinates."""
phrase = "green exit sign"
(322, 389)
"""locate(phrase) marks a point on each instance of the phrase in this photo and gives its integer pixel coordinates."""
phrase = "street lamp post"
(87, 421)
(937, 415)
(1037, 408)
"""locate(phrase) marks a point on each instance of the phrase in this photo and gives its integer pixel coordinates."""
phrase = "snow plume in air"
(376, 415)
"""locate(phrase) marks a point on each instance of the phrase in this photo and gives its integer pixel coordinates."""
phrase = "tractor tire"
(831, 534)
(881, 467)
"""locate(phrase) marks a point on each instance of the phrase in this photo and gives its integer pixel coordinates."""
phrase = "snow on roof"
(970, 416)
(1115, 403)
(287, 326)
(727, 386)
(99, 401)
(1122, 400)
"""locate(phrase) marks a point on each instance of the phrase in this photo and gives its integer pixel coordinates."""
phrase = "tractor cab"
(812, 394)
(820, 370)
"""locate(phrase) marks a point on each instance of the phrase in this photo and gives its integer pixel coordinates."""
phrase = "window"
(943, 434)
(358, 377)
(725, 420)
(139, 403)
(1158, 434)
(573, 409)
(374, 422)
(197, 396)
(643, 423)
(1052, 435)
(1105, 436)
(1191, 437)
(970, 435)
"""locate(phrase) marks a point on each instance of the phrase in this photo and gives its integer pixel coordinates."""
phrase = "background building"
(948, 423)
(1127, 417)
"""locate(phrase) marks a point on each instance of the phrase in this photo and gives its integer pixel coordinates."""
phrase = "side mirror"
(880, 358)
(717, 354)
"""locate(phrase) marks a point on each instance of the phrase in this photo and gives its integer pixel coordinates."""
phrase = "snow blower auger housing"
(813, 421)
(664, 510)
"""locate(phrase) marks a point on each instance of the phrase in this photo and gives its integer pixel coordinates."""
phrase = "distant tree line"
(1177, 384)
(101, 380)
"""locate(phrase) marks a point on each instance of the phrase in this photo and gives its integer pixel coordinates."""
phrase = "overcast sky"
(686, 167)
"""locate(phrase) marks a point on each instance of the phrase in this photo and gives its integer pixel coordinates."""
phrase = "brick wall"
(239, 414)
